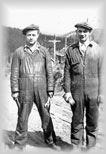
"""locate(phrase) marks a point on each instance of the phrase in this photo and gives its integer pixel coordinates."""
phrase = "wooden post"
(54, 46)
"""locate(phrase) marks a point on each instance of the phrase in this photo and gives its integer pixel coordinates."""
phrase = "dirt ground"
(61, 115)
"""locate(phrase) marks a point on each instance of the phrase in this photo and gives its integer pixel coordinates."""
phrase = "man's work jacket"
(82, 74)
(28, 68)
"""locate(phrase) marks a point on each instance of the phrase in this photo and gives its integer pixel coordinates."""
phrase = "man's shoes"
(55, 147)
(20, 148)
(79, 147)
(16, 147)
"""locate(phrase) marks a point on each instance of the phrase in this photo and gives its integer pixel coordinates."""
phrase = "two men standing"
(32, 81)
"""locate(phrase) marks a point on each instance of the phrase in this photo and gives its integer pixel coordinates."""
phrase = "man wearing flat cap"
(82, 85)
(32, 81)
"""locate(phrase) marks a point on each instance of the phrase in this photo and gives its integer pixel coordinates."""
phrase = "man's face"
(83, 34)
(31, 37)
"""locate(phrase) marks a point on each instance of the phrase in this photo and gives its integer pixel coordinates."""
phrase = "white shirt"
(83, 46)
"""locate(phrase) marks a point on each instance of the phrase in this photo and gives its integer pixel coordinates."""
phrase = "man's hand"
(68, 98)
(50, 94)
(100, 99)
(15, 97)
(47, 104)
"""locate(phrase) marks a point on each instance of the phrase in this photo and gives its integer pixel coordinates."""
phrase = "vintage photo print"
(40, 67)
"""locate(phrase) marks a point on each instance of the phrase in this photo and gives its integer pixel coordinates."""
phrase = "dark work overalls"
(82, 78)
(31, 75)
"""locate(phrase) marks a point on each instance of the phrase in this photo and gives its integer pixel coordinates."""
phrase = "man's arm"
(67, 79)
(14, 78)
(49, 71)
(101, 69)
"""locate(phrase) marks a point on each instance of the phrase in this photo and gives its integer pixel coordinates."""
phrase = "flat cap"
(84, 25)
(30, 27)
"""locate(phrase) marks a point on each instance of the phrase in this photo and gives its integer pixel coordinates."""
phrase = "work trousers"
(33, 93)
(84, 107)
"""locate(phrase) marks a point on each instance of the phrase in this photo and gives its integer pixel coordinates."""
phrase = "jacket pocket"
(76, 67)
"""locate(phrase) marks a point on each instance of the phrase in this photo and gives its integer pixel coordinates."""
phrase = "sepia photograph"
(52, 65)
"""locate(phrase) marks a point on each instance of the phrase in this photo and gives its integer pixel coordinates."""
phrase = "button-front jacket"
(33, 65)
(83, 72)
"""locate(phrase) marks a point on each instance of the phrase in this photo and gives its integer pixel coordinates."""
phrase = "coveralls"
(82, 77)
(32, 77)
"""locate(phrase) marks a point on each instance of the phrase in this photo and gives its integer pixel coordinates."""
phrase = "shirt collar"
(86, 44)
(37, 46)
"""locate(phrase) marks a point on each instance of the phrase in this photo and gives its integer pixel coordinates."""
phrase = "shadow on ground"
(35, 139)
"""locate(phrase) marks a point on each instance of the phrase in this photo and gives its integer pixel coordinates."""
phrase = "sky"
(52, 18)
